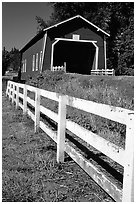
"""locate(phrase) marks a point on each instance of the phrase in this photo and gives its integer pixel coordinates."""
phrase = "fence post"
(7, 88)
(17, 95)
(37, 110)
(25, 99)
(13, 92)
(128, 180)
(113, 72)
(65, 67)
(10, 96)
(61, 129)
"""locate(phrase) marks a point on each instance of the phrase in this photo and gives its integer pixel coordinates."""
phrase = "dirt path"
(30, 170)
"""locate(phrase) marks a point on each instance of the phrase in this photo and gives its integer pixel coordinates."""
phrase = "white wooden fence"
(103, 72)
(119, 155)
(59, 68)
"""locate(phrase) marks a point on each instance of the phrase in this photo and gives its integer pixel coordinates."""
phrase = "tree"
(124, 42)
(41, 24)
(121, 41)
(10, 59)
(14, 59)
(5, 60)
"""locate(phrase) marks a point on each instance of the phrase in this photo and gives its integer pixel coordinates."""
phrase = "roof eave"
(36, 36)
(98, 29)
(78, 16)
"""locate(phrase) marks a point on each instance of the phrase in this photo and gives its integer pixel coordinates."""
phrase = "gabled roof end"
(77, 16)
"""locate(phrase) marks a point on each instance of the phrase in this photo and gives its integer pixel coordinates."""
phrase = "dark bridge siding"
(87, 34)
(47, 55)
(66, 30)
(28, 55)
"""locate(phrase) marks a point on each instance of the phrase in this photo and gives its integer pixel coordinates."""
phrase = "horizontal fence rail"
(103, 72)
(124, 157)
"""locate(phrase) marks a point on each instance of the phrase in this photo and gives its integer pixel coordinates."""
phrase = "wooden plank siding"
(47, 54)
(76, 26)
(28, 55)
(88, 34)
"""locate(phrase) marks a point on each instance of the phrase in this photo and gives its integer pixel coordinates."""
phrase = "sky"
(18, 22)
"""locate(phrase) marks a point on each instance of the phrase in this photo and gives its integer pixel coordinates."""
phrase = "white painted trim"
(116, 114)
(61, 23)
(94, 172)
(25, 64)
(61, 128)
(103, 72)
(36, 65)
(44, 45)
(96, 56)
(73, 40)
(78, 16)
(49, 113)
(37, 110)
(98, 29)
(52, 51)
(108, 148)
(105, 62)
(76, 37)
(33, 62)
(48, 94)
(17, 95)
(128, 176)
(25, 99)
(40, 60)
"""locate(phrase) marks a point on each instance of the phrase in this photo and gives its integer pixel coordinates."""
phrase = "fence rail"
(119, 155)
(103, 72)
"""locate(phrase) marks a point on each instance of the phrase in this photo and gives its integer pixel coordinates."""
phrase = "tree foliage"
(41, 24)
(14, 59)
(5, 60)
(124, 45)
(116, 18)
(10, 60)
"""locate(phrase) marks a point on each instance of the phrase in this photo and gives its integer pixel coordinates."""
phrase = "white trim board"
(105, 61)
(43, 51)
(52, 52)
(62, 22)
(78, 16)
(72, 40)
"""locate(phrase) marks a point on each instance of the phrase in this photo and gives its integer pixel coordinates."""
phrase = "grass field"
(110, 90)
(29, 169)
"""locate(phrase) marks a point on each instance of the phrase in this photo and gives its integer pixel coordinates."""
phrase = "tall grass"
(105, 90)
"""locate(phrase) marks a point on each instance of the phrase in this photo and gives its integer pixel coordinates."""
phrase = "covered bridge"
(76, 44)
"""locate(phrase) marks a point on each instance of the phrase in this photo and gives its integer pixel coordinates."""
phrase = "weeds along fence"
(124, 157)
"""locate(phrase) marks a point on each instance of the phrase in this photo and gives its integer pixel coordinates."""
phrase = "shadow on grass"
(87, 153)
